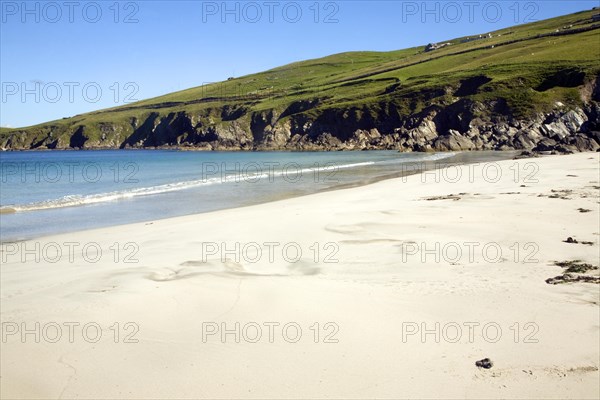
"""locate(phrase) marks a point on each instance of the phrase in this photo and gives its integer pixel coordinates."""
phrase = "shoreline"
(377, 306)
(456, 158)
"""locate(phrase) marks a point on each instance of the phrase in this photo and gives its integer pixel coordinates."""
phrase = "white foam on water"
(81, 200)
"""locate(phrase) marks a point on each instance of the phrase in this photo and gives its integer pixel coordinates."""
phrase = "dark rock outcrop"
(459, 126)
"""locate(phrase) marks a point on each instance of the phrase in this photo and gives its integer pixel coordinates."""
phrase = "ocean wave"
(227, 177)
(81, 200)
(438, 156)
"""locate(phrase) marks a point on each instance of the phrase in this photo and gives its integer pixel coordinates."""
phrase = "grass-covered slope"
(517, 72)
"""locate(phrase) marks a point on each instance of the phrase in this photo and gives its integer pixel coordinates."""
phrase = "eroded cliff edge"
(463, 124)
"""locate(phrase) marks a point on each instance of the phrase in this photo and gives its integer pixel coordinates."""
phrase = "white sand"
(373, 293)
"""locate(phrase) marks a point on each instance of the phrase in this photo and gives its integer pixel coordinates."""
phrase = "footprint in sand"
(344, 229)
(393, 212)
(371, 241)
(172, 275)
(109, 289)
(302, 267)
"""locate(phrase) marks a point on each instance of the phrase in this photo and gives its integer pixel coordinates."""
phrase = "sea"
(50, 192)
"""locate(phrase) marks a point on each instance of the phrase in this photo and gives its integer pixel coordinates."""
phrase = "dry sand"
(370, 292)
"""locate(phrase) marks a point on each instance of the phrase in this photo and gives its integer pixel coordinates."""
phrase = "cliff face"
(463, 125)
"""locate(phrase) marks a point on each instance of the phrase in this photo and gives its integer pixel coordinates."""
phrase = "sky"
(62, 58)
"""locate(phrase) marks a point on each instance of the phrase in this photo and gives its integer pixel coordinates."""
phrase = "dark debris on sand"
(574, 272)
(454, 197)
(486, 363)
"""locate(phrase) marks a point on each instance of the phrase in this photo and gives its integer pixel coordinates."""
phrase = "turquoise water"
(52, 192)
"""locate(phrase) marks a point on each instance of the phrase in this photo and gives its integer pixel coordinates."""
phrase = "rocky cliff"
(463, 125)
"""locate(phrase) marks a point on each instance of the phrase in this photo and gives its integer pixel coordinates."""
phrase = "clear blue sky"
(141, 49)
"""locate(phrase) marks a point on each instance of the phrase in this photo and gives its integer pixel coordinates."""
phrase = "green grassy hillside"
(527, 68)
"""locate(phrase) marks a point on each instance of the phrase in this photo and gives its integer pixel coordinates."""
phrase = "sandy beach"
(391, 290)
